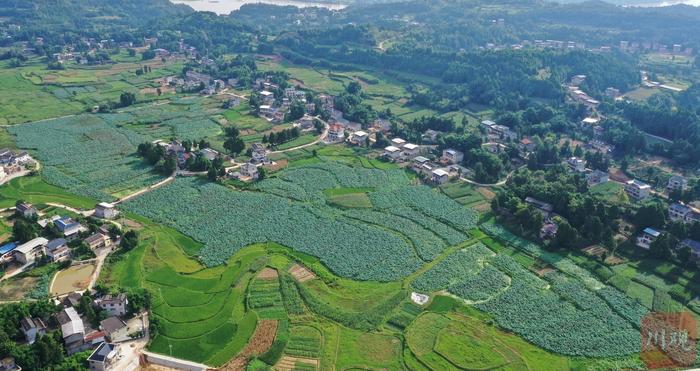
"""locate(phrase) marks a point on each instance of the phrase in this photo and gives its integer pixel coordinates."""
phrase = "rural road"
(318, 140)
(498, 184)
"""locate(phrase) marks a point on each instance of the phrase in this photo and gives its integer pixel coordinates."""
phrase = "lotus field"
(368, 245)
(562, 311)
(93, 154)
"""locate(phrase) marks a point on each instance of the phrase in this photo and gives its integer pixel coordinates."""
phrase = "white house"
(267, 97)
(576, 164)
(105, 210)
(72, 328)
(418, 163)
(26, 210)
(32, 328)
(27, 252)
(259, 154)
(410, 150)
(115, 305)
(452, 156)
(677, 183)
(440, 176)
(392, 153)
(336, 133)
(648, 236)
(637, 190)
(359, 137)
(398, 142)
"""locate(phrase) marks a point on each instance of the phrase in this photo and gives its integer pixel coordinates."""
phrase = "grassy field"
(33, 189)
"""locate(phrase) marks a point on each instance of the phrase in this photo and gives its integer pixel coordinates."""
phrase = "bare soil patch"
(17, 289)
(75, 278)
(300, 273)
(287, 363)
(268, 273)
(258, 344)
(487, 193)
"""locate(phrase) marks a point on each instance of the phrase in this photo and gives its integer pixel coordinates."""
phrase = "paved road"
(318, 140)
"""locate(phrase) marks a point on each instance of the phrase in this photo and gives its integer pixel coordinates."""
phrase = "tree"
(566, 236)
(354, 88)
(650, 215)
(24, 230)
(212, 174)
(129, 240)
(132, 52)
(127, 98)
(661, 247)
(296, 111)
(148, 54)
(234, 145)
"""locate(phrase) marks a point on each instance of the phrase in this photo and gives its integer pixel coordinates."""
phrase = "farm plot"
(291, 209)
(596, 324)
(265, 298)
(94, 155)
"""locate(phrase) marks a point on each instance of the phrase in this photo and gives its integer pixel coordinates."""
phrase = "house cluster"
(578, 95)
(78, 333)
(13, 162)
(250, 170)
(647, 237)
(64, 229)
(274, 108)
(637, 190)
(498, 133)
(446, 168)
(400, 150)
(593, 177)
(634, 46)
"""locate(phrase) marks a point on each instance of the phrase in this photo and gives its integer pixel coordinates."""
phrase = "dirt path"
(147, 189)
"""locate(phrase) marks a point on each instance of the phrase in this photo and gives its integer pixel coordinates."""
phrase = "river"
(227, 6)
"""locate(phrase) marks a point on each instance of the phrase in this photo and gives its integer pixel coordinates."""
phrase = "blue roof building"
(8, 247)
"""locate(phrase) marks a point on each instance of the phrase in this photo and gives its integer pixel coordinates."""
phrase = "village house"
(209, 154)
(103, 357)
(114, 305)
(33, 328)
(693, 217)
(73, 330)
(410, 151)
(430, 136)
(115, 329)
(26, 210)
(98, 241)
(9, 364)
(27, 253)
(577, 80)
(306, 122)
(326, 102)
(58, 250)
(105, 210)
(493, 147)
(677, 183)
(549, 230)
(392, 153)
(612, 93)
(359, 138)
(94, 339)
(266, 110)
(500, 132)
(678, 211)
(576, 164)
(6, 251)
(637, 190)
(418, 162)
(336, 133)
(440, 176)
(596, 177)
(590, 121)
(249, 170)
(694, 247)
(546, 209)
(259, 154)
(452, 156)
(398, 142)
(69, 227)
(71, 300)
(647, 237)
(267, 97)
(527, 145)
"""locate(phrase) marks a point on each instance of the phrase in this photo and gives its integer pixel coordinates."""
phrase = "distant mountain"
(82, 12)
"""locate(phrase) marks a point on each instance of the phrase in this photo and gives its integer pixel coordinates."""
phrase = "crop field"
(599, 321)
(290, 208)
(93, 155)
